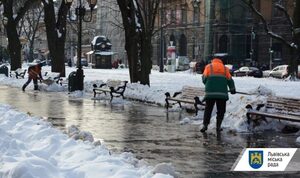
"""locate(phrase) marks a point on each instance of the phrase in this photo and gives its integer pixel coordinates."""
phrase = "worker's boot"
(204, 128)
(24, 86)
(36, 87)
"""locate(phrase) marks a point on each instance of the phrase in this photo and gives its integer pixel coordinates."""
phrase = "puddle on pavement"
(146, 131)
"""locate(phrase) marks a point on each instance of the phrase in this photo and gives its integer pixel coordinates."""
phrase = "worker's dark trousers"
(35, 82)
(221, 109)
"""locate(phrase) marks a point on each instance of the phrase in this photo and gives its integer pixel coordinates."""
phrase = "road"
(146, 131)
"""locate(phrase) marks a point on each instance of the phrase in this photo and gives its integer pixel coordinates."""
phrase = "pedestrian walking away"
(34, 73)
(217, 78)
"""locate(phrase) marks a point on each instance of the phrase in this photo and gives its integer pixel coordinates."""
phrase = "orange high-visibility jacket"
(35, 71)
(216, 78)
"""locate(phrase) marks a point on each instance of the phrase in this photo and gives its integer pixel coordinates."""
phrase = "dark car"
(84, 62)
(248, 71)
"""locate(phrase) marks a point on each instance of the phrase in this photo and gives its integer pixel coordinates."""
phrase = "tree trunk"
(14, 45)
(297, 34)
(131, 38)
(56, 35)
(146, 62)
(132, 55)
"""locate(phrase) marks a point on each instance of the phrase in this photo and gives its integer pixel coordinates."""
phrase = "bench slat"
(187, 95)
(114, 88)
(102, 89)
(182, 100)
(275, 115)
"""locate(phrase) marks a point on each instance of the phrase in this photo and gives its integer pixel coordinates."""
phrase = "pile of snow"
(235, 118)
(32, 148)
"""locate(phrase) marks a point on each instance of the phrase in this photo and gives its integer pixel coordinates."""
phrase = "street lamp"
(252, 38)
(271, 54)
(80, 14)
(161, 64)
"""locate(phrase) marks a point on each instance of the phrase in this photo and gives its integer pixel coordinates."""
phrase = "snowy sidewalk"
(30, 147)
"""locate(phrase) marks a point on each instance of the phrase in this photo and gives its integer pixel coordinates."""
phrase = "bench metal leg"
(167, 101)
(255, 121)
(94, 93)
(111, 96)
(179, 104)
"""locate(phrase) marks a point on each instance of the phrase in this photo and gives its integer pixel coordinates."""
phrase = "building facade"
(201, 28)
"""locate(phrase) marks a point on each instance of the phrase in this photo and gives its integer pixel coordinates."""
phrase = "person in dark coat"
(34, 73)
(217, 78)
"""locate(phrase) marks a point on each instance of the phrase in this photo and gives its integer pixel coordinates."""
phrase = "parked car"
(231, 68)
(248, 71)
(266, 73)
(182, 63)
(279, 71)
(84, 62)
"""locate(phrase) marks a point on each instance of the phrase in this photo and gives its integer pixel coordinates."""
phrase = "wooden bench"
(188, 94)
(280, 108)
(115, 88)
(52, 77)
(19, 73)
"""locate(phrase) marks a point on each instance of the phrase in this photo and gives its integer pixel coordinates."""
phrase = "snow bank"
(30, 147)
(235, 118)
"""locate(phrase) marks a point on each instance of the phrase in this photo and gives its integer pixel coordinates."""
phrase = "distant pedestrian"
(216, 77)
(34, 73)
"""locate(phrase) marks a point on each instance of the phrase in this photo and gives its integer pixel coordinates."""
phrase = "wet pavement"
(146, 131)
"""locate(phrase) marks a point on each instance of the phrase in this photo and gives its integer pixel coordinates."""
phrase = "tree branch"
(290, 21)
(24, 9)
(266, 26)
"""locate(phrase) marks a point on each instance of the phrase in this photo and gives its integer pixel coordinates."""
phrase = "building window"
(277, 50)
(196, 16)
(182, 45)
(223, 44)
(172, 38)
(221, 11)
(173, 16)
(178, 17)
(184, 14)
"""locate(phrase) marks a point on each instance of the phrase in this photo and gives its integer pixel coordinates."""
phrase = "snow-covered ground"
(29, 147)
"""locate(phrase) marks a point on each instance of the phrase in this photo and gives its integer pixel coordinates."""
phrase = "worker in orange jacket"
(34, 73)
(217, 78)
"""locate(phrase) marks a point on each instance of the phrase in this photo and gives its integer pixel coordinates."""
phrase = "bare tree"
(56, 32)
(30, 24)
(294, 24)
(13, 12)
(138, 20)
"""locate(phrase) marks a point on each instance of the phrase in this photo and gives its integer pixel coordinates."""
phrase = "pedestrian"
(216, 77)
(34, 73)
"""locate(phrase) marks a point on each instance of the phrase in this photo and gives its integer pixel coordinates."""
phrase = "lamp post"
(80, 14)
(271, 54)
(161, 65)
(252, 38)
(3, 36)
